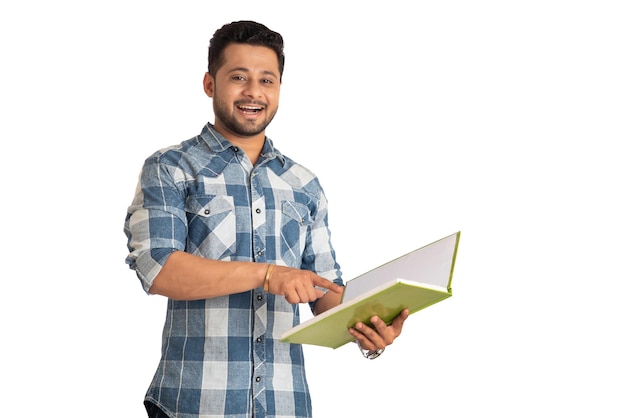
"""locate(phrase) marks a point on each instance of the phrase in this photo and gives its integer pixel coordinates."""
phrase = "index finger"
(327, 284)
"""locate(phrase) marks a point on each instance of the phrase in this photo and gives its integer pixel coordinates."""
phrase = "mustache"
(250, 102)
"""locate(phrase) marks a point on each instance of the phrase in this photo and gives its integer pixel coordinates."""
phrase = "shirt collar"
(217, 143)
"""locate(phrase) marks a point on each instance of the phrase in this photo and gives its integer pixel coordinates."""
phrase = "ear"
(209, 84)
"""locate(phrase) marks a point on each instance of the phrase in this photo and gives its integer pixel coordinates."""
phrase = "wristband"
(370, 354)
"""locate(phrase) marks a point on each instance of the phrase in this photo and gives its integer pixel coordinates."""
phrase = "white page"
(431, 264)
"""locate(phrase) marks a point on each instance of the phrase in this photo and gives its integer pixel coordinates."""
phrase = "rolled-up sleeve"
(156, 224)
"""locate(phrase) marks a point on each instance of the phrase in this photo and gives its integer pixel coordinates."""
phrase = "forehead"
(250, 57)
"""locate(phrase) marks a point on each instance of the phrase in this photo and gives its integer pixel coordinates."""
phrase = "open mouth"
(250, 109)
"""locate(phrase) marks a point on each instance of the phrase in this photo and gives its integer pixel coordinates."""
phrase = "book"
(415, 281)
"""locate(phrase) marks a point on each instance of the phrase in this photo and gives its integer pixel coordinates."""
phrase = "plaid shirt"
(221, 357)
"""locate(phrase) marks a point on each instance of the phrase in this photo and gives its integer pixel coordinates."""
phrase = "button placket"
(258, 217)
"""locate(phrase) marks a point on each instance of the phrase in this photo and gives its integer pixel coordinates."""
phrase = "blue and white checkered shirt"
(221, 357)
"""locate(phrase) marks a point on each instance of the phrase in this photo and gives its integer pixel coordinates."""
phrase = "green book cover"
(416, 280)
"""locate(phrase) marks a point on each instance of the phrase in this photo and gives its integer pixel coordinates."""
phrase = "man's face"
(245, 90)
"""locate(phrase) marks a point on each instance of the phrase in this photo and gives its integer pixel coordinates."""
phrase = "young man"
(235, 235)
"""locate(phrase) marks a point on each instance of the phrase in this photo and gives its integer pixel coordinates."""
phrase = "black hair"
(244, 32)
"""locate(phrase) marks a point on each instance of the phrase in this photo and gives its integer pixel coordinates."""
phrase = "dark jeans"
(154, 411)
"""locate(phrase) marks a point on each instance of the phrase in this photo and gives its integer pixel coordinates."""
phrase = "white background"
(502, 119)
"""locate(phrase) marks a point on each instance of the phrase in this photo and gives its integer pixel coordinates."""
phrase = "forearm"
(328, 301)
(188, 277)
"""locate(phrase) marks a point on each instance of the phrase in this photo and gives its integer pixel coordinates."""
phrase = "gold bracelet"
(266, 284)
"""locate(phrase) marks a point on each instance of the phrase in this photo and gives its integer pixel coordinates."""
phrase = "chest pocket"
(211, 226)
(295, 223)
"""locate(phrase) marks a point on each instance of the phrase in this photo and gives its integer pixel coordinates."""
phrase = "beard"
(245, 128)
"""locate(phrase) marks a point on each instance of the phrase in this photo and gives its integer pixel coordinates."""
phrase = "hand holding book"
(380, 335)
(414, 281)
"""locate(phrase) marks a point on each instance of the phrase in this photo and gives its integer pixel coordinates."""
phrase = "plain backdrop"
(502, 119)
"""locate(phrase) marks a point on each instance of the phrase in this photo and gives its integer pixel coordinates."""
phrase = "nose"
(252, 90)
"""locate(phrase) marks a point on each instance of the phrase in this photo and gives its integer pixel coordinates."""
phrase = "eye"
(238, 78)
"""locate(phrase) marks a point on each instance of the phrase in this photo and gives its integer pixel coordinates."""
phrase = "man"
(235, 235)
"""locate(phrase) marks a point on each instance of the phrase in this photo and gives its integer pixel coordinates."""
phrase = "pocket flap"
(298, 212)
(209, 205)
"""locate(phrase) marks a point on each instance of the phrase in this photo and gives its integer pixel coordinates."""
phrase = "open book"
(415, 281)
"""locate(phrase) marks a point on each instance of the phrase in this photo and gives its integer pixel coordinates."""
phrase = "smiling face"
(245, 92)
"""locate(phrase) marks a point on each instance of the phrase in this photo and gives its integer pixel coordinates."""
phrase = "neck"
(250, 145)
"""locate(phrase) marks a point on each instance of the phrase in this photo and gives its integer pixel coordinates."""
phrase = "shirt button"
(207, 211)
(258, 378)
(259, 297)
(258, 211)
(236, 149)
(259, 253)
(258, 340)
